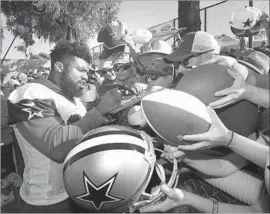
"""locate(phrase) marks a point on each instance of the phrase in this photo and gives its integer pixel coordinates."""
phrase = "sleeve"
(53, 139)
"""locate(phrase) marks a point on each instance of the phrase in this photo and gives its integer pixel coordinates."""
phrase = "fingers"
(214, 118)
(221, 60)
(171, 152)
(196, 137)
(168, 148)
(241, 70)
(216, 121)
(174, 196)
(174, 155)
(168, 191)
(211, 61)
(224, 92)
(225, 101)
(153, 208)
(234, 73)
(221, 104)
(193, 147)
(226, 64)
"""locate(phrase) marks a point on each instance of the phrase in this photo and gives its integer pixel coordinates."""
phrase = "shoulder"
(31, 91)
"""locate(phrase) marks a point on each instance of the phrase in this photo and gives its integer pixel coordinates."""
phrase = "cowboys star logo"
(98, 195)
(113, 35)
(31, 111)
(247, 23)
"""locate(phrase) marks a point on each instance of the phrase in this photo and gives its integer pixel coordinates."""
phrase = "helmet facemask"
(152, 193)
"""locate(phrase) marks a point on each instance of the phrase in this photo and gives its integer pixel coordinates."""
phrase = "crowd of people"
(21, 78)
(45, 113)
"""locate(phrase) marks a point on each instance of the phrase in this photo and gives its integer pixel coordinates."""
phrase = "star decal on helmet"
(113, 34)
(247, 23)
(98, 195)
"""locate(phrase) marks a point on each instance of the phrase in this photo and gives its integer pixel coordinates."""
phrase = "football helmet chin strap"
(147, 199)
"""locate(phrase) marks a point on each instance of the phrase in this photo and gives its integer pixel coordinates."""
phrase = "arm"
(251, 150)
(219, 135)
(206, 205)
(53, 139)
(262, 99)
(131, 46)
(176, 197)
(214, 166)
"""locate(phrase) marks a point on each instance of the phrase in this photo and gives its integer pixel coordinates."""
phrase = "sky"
(135, 15)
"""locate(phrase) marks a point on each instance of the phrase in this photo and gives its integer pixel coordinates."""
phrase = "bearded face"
(73, 79)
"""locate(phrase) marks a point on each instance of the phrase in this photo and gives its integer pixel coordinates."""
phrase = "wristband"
(230, 139)
(215, 205)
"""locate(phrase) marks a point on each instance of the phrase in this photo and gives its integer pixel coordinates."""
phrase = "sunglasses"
(185, 61)
(121, 67)
(103, 71)
(154, 76)
(168, 71)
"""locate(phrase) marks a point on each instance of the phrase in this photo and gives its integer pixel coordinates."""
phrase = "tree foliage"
(57, 20)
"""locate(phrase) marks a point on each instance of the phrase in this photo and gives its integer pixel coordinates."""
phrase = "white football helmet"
(113, 169)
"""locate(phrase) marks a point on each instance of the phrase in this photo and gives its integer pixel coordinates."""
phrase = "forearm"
(63, 139)
(251, 150)
(258, 96)
(206, 205)
(53, 139)
(220, 167)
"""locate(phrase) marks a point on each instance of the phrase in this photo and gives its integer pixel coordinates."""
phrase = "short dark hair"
(66, 49)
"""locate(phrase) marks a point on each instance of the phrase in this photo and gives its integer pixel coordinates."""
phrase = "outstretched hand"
(238, 91)
(229, 62)
(233, 94)
(174, 199)
(217, 135)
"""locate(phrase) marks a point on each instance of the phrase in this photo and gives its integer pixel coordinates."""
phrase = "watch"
(215, 205)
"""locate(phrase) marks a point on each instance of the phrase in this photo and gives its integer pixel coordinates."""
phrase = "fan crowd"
(75, 96)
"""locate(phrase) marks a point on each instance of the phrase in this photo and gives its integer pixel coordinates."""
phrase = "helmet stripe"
(104, 147)
(113, 132)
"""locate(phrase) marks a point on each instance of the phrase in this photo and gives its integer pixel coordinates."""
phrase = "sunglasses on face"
(104, 71)
(186, 61)
(153, 76)
(121, 67)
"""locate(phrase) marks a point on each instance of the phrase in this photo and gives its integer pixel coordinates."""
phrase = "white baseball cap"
(192, 43)
(142, 36)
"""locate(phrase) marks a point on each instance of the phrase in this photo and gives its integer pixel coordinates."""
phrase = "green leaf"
(49, 20)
